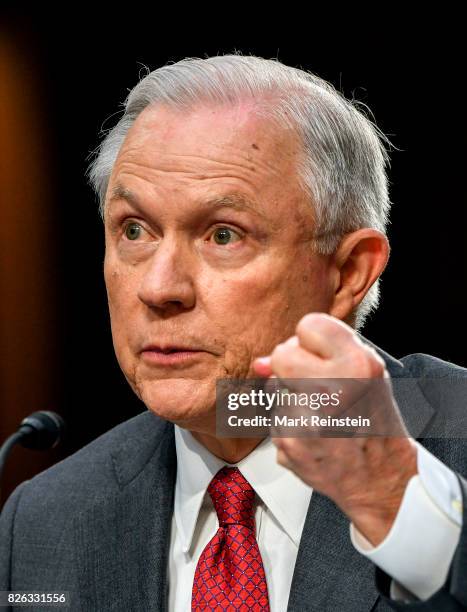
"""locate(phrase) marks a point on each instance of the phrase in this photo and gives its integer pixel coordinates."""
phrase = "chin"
(181, 401)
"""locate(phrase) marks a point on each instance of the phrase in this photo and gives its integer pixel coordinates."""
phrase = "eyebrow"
(235, 201)
(119, 192)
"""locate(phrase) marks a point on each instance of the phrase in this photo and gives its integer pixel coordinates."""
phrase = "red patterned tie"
(230, 575)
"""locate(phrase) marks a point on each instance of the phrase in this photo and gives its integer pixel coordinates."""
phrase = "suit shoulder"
(91, 469)
(423, 365)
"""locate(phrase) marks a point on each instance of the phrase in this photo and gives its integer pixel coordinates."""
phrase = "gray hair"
(343, 167)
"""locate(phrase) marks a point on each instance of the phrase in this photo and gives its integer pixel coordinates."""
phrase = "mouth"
(170, 355)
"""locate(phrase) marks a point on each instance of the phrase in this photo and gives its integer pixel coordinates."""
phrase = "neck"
(231, 450)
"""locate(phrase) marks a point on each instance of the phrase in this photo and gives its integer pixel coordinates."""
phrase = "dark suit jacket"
(98, 523)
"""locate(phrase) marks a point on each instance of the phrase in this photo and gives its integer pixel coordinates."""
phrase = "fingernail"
(263, 360)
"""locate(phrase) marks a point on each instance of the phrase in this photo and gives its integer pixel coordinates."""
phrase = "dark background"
(75, 70)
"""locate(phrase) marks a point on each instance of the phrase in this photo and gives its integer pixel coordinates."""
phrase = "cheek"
(121, 302)
(235, 301)
(261, 307)
(121, 283)
(252, 311)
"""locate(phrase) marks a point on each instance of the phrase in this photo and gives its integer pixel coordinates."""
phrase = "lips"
(169, 349)
(170, 355)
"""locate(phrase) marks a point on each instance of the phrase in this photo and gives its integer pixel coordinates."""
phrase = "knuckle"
(375, 364)
(378, 363)
(312, 319)
(367, 363)
(359, 363)
(282, 358)
(280, 349)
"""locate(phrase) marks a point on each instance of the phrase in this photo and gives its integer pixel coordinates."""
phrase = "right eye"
(133, 230)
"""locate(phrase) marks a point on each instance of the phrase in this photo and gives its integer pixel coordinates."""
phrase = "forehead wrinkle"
(248, 176)
(189, 162)
(235, 201)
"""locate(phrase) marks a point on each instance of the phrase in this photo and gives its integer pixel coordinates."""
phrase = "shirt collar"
(284, 494)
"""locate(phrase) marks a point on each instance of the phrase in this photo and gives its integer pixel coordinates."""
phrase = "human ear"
(358, 261)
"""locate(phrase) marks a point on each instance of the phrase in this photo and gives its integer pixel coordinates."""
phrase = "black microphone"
(40, 431)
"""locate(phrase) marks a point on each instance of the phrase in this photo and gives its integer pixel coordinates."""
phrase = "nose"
(167, 283)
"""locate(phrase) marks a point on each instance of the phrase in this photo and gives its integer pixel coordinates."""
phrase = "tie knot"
(233, 498)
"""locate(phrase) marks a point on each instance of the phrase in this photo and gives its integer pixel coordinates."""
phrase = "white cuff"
(419, 547)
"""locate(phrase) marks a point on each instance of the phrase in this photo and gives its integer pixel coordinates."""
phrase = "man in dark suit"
(245, 204)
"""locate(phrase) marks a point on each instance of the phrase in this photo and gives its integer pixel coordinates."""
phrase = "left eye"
(225, 235)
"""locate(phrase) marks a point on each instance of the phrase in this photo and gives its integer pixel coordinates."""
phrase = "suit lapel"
(416, 411)
(122, 540)
(329, 573)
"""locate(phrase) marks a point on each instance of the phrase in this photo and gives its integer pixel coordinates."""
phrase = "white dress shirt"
(419, 548)
(429, 520)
